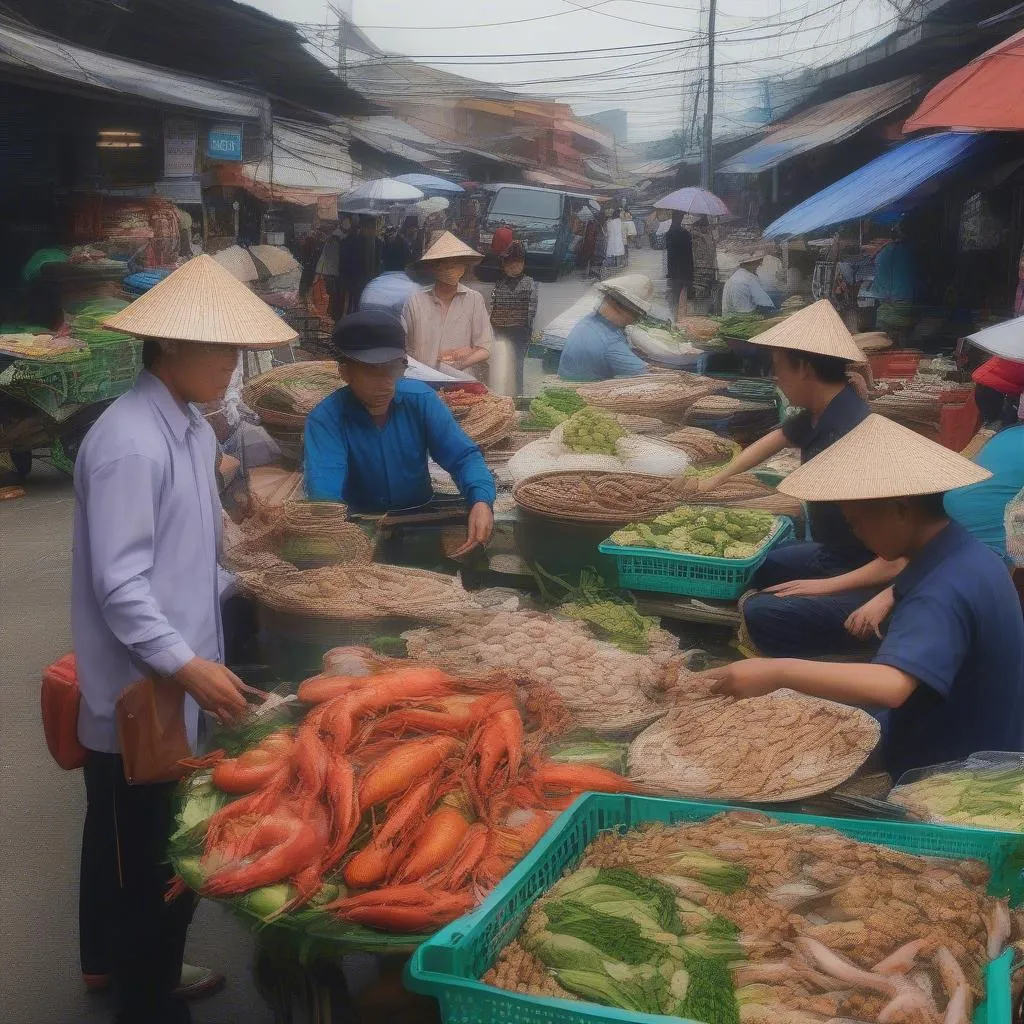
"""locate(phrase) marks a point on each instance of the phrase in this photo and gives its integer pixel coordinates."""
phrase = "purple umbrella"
(694, 200)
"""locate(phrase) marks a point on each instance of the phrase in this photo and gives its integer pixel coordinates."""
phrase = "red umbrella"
(986, 95)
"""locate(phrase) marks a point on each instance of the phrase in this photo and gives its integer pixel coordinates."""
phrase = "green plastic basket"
(667, 572)
(449, 965)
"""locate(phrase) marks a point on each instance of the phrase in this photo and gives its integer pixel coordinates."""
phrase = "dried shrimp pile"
(763, 922)
(603, 688)
(398, 800)
(486, 419)
(703, 446)
(596, 497)
(783, 746)
(357, 592)
(661, 395)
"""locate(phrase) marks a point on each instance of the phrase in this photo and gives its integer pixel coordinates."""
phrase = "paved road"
(41, 807)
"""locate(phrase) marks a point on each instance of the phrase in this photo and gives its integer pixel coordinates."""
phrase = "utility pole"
(344, 13)
(707, 164)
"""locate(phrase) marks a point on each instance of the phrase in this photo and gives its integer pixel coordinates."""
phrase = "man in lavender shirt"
(145, 601)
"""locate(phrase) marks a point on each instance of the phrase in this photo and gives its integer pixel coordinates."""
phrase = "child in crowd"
(514, 305)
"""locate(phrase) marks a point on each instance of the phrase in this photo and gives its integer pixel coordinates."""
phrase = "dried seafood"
(657, 394)
(783, 746)
(357, 592)
(603, 688)
(596, 497)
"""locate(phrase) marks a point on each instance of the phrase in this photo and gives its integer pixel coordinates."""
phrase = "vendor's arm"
(454, 452)
(759, 296)
(876, 573)
(623, 361)
(769, 445)
(876, 685)
(325, 458)
(121, 497)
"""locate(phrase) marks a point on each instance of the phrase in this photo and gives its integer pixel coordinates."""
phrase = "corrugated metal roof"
(32, 56)
(186, 191)
(881, 184)
(822, 125)
(307, 157)
(392, 135)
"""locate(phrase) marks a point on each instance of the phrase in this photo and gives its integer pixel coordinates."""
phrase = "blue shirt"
(957, 629)
(597, 349)
(980, 508)
(145, 586)
(838, 418)
(895, 274)
(379, 469)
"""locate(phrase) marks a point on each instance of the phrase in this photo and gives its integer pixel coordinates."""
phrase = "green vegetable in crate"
(591, 432)
(619, 623)
(710, 870)
(552, 407)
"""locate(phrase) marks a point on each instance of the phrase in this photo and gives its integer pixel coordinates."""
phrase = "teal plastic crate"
(667, 572)
(449, 965)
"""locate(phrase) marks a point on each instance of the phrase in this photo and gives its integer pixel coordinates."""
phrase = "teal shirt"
(980, 508)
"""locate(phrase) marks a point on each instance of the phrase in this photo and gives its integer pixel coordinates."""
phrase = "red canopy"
(986, 95)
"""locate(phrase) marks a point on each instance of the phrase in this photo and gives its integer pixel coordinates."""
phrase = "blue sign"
(224, 142)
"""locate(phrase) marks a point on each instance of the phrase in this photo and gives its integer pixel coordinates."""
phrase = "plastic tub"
(666, 572)
(449, 965)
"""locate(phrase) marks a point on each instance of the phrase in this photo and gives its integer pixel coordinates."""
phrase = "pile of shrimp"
(415, 789)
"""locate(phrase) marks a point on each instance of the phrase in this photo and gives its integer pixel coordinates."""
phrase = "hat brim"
(434, 260)
(374, 356)
(637, 306)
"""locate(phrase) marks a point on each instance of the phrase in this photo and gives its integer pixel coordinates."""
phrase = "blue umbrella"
(430, 182)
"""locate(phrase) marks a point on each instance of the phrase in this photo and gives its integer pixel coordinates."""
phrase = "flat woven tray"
(780, 747)
(659, 395)
(286, 395)
(595, 497)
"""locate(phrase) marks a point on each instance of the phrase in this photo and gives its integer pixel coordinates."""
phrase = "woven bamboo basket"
(658, 395)
(771, 749)
(490, 422)
(285, 396)
(703, 446)
(594, 497)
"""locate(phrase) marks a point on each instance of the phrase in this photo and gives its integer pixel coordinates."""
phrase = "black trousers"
(124, 863)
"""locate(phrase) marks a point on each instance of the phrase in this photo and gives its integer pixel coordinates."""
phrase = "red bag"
(60, 699)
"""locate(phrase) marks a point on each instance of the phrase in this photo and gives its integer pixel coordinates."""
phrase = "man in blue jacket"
(367, 444)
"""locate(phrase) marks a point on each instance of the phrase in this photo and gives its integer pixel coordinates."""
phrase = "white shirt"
(743, 294)
(616, 245)
(433, 328)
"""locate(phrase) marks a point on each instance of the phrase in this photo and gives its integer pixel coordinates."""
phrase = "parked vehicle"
(545, 220)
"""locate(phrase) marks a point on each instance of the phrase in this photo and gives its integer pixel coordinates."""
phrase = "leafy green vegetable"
(710, 995)
(552, 407)
(698, 530)
(267, 902)
(711, 871)
(596, 751)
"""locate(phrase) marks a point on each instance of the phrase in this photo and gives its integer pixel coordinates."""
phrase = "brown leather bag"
(151, 731)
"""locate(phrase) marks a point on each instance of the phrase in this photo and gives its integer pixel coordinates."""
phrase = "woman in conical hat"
(950, 668)
(811, 351)
(448, 322)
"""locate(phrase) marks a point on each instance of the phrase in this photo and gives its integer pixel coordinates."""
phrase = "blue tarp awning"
(878, 185)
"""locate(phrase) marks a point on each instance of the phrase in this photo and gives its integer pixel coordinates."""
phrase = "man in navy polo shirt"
(951, 667)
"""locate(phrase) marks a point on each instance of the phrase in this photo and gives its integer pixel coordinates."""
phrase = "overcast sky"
(758, 40)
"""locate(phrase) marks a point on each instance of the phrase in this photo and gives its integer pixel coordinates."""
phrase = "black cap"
(369, 336)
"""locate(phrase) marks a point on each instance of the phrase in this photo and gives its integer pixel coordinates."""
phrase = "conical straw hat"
(202, 302)
(881, 459)
(448, 247)
(817, 328)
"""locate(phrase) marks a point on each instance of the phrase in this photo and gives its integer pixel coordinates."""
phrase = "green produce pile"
(978, 797)
(551, 407)
(87, 322)
(591, 432)
(745, 326)
(617, 938)
(699, 530)
(609, 616)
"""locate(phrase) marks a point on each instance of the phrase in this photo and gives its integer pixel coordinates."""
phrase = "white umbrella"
(239, 263)
(381, 191)
(1005, 339)
(693, 200)
(436, 204)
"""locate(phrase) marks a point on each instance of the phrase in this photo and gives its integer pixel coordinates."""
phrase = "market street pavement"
(41, 807)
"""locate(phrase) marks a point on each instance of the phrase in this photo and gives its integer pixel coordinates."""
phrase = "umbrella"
(372, 195)
(697, 201)
(1005, 340)
(429, 182)
(982, 96)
